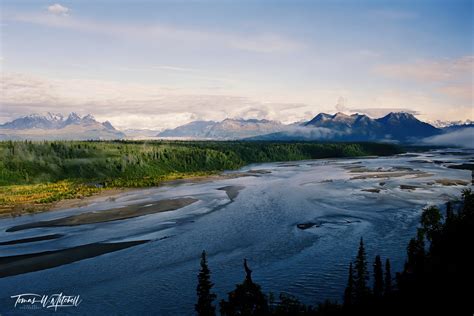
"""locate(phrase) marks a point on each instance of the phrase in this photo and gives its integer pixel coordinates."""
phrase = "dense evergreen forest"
(42, 172)
(36, 162)
(436, 280)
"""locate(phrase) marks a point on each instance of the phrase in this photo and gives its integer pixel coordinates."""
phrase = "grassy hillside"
(67, 169)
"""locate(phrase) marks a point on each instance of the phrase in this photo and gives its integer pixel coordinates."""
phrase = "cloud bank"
(462, 138)
(448, 77)
(131, 105)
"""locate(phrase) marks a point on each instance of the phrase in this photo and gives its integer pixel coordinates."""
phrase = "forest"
(436, 279)
(44, 172)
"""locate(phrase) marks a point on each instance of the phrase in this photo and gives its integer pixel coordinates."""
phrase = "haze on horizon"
(160, 64)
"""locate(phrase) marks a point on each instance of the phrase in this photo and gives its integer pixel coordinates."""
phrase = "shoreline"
(26, 190)
(110, 215)
(105, 193)
(110, 193)
(37, 208)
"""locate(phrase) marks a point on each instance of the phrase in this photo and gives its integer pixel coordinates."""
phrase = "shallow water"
(259, 224)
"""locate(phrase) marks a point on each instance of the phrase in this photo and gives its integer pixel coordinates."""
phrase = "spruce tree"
(415, 254)
(349, 292)
(247, 298)
(204, 306)
(361, 273)
(378, 277)
(388, 278)
(449, 213)
(430, 223)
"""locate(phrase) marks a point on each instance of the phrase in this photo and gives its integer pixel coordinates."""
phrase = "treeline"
(437, 277)
(144, 163)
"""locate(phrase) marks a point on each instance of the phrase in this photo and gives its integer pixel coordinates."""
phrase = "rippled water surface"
(260, 224)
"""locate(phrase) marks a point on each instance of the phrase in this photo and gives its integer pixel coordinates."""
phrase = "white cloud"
(258, 42)
(449, 78)
(341, 105)
(429, 70)
(427, 106)
(463, 138)
(130, 105)
(460, 91)
(313, 133)
(374, 112)
(380, 112)
(58, 9)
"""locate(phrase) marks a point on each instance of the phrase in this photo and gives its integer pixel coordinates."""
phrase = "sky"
(160, 64)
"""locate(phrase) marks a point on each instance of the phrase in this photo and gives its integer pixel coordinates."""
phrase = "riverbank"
(37, 176)
(25, 201)
(19, 200)
(260, 224)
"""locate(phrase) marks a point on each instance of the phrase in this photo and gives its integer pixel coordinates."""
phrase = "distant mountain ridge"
(394, 127)
(195, 129)
(348, 126)
(55, 126)
(398, 127)
(446, 124)
(226, 129)
(457, 127)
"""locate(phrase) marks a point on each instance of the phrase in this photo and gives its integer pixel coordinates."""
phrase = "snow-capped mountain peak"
(55, 126)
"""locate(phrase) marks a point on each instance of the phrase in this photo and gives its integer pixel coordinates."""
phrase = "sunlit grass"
(13, 195)
(35, 197)
(35, 174)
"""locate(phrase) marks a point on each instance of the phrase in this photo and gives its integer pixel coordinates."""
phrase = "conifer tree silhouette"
(378, 277)
(349, 292)
(388, 278)
(361, 273)
(204, 306)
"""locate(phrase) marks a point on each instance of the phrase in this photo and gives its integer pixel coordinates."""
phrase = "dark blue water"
(159, 277)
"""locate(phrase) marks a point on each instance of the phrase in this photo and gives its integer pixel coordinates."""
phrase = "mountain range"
(226, 129)
(399, 127)
(57, 127)
(394, 127)
(445, 124)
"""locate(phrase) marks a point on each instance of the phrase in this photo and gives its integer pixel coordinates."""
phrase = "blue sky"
(158, 64)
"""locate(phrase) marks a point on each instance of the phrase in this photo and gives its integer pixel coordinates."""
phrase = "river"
(253, 214)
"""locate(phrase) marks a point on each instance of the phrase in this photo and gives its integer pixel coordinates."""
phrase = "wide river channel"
(251, 213)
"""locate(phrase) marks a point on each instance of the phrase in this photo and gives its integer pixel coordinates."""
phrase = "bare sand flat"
(31, 239)
(15, 265)
(31, 208)
(111, 215)
(450, 182)
(112, 193)
(232, 191)
(259, 171)
(385, 173)
(409, 187)
(388, 175)
(104, 194)
(374, 190)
